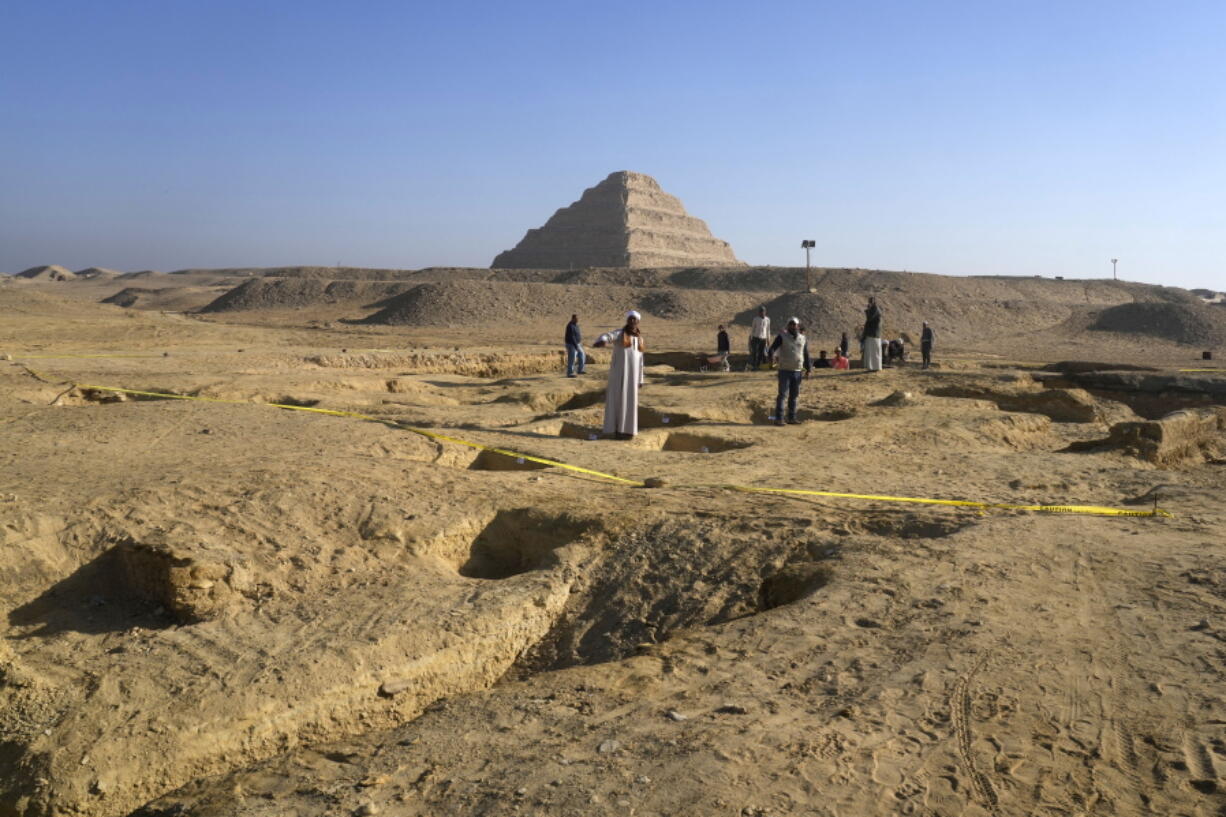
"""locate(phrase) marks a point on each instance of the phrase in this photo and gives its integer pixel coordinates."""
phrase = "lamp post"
(807, 245)
(1113, 275)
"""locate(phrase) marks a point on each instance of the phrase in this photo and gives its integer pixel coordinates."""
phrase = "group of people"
(789, 351)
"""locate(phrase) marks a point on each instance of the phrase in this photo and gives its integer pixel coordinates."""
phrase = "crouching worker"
(793, 349)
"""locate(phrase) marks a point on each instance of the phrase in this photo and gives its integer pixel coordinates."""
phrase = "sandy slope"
(249, 611)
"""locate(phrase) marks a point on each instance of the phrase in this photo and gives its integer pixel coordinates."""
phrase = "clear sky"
(1011, 137)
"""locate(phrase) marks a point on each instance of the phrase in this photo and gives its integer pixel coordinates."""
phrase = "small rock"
(389, 688)
(674, 715)
(642, 780)
(206, 431)
(608, 747)
(365, 810)
(1203, 624)
(732, 709)
(868, 623)
(653, 482)
(898, 398)
(521, 791)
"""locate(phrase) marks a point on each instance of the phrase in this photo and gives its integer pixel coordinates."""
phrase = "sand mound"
(826, 314)
(48, 272)
(296, 293)
(1187, 322)
(129, 296)
(454, 302)
(98, 272)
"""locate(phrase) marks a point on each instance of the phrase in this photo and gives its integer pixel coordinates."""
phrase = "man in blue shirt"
(574, 348)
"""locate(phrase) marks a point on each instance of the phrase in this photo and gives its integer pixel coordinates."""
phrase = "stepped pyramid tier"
(625, 221)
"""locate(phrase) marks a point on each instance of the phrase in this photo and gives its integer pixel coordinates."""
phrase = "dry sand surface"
(215, 607)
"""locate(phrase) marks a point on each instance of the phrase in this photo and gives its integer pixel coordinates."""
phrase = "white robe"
(621, 398)
(872, 354)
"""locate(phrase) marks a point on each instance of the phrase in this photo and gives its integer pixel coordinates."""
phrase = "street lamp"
(807, 245)
(1113, 262)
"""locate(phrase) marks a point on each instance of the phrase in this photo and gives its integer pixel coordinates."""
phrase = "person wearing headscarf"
(793, 349)
(621, 400)
(871, 336)
(926, 339)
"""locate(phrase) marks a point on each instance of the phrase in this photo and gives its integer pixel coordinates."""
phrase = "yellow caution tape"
(358, 416)
(67, 355)
(1094, 510)
(1213, 369)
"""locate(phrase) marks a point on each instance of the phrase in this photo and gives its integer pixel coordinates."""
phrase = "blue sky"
(1001, 137)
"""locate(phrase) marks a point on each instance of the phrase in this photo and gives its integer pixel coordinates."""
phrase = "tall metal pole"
(1114, 277)
(808, 244)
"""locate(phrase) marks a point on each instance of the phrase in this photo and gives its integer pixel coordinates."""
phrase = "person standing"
(793, 348)
(926, 339)
(621, 399)
(870, 340)
(574, 348)
(844, 344)
(759, 334)
(722, 345)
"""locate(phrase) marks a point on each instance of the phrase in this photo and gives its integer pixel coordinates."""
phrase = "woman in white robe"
(621, 401)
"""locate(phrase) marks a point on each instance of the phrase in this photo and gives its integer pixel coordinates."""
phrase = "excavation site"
(263, 554)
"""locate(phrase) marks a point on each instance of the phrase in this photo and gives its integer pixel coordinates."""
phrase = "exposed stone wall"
(625, 221)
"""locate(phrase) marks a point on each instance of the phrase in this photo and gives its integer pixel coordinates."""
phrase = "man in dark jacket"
(870, 338)
(926, 339)
(574, 348)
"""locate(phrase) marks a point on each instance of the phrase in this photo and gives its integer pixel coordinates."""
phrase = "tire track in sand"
(960, 716)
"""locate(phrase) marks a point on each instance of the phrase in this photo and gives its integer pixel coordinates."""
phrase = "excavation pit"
(296, 402)
(662, 418)
(86, 395)
(519, 541)
(581, 401)
(673, 575)
(904, 526)
(489, 460)
(791, 583)
(690, 443)
(574, 431)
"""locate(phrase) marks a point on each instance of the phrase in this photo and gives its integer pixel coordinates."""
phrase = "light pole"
(1113, 275)
(807, 245)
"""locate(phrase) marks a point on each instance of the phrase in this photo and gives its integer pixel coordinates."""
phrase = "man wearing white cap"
(621, 399)
(793, 348)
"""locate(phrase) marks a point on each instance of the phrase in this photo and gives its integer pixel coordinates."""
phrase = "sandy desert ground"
(215, 607)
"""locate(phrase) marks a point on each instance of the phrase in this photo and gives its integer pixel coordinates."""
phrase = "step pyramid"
(625, 221)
